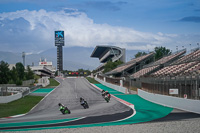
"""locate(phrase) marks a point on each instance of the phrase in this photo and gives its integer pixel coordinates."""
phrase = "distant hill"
(73, 57)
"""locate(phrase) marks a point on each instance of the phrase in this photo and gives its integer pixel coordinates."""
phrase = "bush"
(19, 82)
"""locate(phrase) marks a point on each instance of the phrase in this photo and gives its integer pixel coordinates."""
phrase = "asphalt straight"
(68, 93)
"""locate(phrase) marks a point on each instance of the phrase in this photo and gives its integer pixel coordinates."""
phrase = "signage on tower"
(59, 38)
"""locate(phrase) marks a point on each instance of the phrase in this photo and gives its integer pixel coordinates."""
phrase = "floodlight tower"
(59, 42)
(23, 56)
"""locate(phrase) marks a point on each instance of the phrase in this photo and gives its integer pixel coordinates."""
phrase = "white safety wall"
(174, 102)
(116, 87)
(17, 94)
(7, 99)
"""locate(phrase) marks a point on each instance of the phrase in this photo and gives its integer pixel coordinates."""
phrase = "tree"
(4, 73)
(111, 65)
(29, 74)
(56, 74)
(140, 54)
(13, 74)
(20, 70)
(160, 52)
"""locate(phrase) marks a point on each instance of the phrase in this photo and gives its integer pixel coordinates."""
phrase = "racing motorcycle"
(64, 109)
(107, 98)
(106, 95)
(85, 105)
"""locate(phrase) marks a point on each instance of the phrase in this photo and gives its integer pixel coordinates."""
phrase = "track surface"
(68, 93)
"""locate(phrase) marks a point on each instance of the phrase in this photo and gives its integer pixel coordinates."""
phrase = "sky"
(29, 25)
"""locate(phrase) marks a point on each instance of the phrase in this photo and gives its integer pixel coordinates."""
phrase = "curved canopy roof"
(104, 53)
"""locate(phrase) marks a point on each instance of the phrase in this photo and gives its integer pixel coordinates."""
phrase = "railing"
(185, 87)
(116, 81)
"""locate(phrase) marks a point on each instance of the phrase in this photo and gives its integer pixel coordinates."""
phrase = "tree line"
(16, 75)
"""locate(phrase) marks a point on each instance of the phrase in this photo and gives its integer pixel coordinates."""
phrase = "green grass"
(21, 106)
(53, 82)
(92, 80)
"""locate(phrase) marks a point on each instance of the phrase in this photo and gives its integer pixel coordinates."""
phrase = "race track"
(68, 93)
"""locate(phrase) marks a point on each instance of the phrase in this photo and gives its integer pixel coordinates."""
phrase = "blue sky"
(27, 25)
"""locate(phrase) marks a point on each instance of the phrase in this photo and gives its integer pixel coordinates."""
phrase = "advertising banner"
(59, 38)
(173, 91)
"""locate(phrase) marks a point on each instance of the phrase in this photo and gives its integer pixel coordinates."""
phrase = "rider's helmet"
(59, 104)
(81, 99)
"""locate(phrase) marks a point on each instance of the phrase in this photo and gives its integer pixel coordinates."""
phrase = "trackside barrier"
(7, 99)
(18, 92)
(115, 87)
(174, 102)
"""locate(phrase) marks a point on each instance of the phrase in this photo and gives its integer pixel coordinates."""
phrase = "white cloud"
(34, 31)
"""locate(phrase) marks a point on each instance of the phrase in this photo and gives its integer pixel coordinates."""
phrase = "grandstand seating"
(190, 57)
(155, 65)
(144, 71)
(167, 59)
(186, 66)
(129, 64)
(195, 70)
(175, 70)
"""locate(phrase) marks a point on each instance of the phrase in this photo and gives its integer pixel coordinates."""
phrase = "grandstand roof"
(129, 64)
(105, 53)
(99, 50)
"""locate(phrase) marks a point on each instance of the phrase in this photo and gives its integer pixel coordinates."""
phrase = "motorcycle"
(64, 110)
(106, 95)
(85, 105)
(107, 98)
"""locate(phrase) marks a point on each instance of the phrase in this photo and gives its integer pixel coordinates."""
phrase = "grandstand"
(107, 53)
(186, 65)
(132, 66)
(194, 55)
(148, 69)
(100, 68)
(182, 74)
(177, 71)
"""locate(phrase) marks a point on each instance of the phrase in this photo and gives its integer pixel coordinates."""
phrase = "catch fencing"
(184, 87)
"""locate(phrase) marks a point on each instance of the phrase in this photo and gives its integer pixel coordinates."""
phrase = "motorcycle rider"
(63, 108)
(107, 94)
(84, 103)
(103, 93)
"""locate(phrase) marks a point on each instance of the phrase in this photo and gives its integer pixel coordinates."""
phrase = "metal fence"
(3, 89)
(185, 86)
(116, 81)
